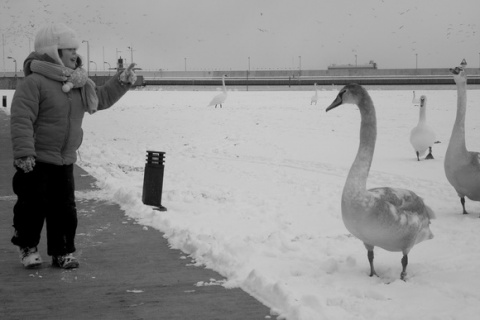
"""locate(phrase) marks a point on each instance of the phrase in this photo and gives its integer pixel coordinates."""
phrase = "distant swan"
(462, 167)
(219, 99)
(422, 137)
(415, 101)
(315, 96)
(393, 219)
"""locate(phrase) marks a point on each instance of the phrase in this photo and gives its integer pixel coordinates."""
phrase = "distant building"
(120, 64)
(370, 65)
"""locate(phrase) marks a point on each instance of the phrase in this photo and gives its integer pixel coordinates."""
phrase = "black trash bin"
(4, 101)
(153, 180)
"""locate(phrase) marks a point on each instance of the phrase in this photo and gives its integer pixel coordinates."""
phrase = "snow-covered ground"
(253, 192)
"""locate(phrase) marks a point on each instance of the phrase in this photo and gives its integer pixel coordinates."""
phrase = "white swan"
(393, 219)
(422, 137)
(462, 167)
(219, 99)
(415, 101)
(314, 98)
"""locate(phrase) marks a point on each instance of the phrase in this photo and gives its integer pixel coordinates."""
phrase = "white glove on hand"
(128, 75)
(25, 163)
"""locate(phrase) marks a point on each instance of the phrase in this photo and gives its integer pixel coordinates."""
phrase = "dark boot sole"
(70, 265)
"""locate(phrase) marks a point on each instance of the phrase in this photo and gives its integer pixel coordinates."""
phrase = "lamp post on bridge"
(109, 67)
(248, 71)
(131, 54)
(88, 56)
(15, 61)
(95, 66)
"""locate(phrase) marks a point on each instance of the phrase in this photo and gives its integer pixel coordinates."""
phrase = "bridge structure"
(438, 76)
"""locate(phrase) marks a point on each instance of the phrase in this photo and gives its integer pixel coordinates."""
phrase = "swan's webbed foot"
(418, 155)
(429, 155)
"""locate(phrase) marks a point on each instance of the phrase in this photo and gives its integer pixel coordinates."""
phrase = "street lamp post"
(15, 61)
(355, 60)
(109, 67)
(95, 66)
(248, 71)
(131, 54)
(185, 64)
(416, 60)
(299, 67)
(88, 56)
(3, 55)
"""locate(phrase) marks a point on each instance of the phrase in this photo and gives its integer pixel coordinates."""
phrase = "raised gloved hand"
(25, 163)
(128, 75)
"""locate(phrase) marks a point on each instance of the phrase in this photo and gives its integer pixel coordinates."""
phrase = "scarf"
(72, 78)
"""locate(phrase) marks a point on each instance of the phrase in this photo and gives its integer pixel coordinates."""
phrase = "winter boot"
(30, 258)
(67, 261)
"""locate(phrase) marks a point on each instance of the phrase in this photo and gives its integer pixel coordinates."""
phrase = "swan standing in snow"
(393, 219)
(415, 101)
(315, 96)
(462, 167)
(422, 137)
(219, 99)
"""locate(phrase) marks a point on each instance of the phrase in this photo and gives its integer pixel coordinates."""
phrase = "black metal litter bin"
(4, 101)
(153, 180)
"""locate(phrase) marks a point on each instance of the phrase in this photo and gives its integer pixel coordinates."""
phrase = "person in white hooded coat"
(46, 127)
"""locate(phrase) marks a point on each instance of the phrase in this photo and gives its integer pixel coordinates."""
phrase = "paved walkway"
(125, 272)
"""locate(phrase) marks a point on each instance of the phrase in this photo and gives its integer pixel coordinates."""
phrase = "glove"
(25, 163)
(128, 76)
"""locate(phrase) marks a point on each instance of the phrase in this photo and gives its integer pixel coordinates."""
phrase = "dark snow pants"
(45, 194)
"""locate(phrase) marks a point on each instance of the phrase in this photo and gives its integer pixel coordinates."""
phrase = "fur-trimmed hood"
(52, 37)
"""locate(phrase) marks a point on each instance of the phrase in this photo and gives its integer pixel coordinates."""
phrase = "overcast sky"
(275, 34)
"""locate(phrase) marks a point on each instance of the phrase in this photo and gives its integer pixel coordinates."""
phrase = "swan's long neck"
(423, 113)
(357, 177)
(457, 140)
(223, 84)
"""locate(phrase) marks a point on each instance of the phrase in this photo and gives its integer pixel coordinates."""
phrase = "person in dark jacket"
(46, 127)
